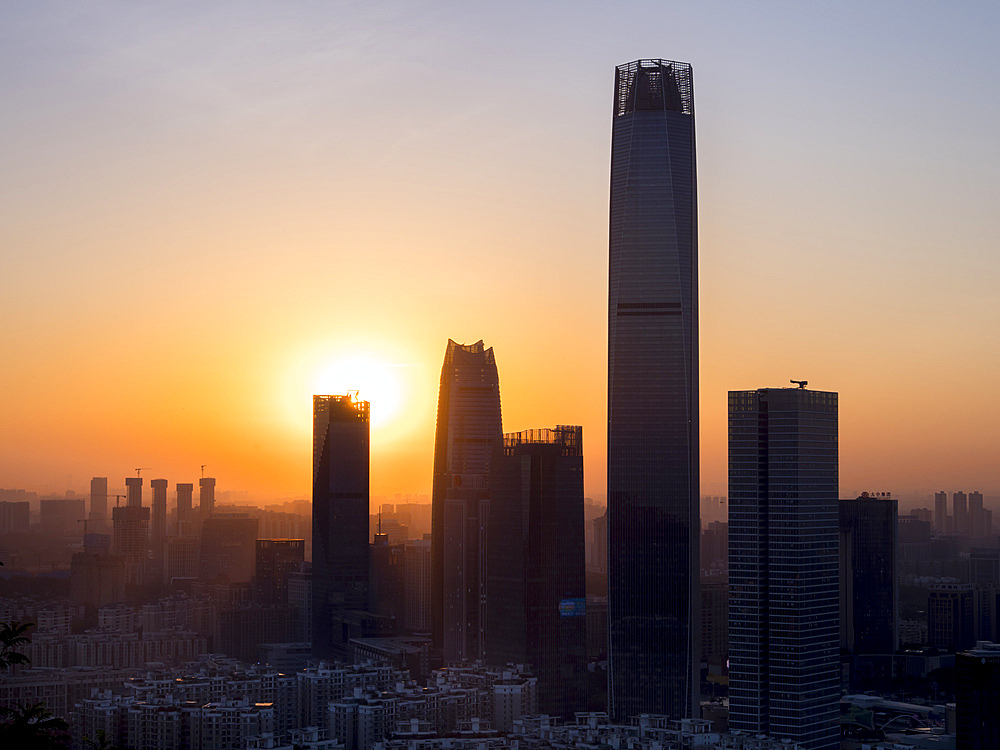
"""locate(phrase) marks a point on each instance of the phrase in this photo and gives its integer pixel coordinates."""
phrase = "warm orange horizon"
(209, 210)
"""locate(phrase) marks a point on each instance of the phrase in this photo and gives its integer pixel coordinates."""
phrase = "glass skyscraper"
(653, 497)
(468, 431)
(340, 518)
(784, 587)
(537, 582)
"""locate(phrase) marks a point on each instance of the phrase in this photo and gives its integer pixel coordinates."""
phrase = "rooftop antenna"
(800, 383)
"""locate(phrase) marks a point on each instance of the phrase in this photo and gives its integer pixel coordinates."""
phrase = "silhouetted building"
(536, 564)
(869, 605)
(783, 565)
(599, 549)
(14, 517)
(158, 523)
(960, 513)
(979, 518)
(98, 503)
(984, 574)
(950, 621)
(977, 697)
(185, 516)
(133, 490)
(228, 548)
(941, 513)
(387, 592)
(340, 518)
(131, 533)
(97, 579)
(417, 563)
(653, 496)
(180, 558)
(468, 430)
(276, 560)
(206, 497)
(242, 629)
(715, 625)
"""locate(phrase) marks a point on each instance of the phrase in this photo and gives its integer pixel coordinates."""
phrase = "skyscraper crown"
(654, 85)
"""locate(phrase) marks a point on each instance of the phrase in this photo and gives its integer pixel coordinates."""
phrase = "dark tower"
(537, 588)
(98, 503)
(784, 615)
(340, 517)
(468, 431)
(653, 496)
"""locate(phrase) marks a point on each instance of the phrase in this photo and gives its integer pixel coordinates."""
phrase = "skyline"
(227, 146)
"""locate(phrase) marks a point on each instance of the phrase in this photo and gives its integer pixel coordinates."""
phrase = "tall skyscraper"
(185, 492)
(98, 503)
(158, 524)
(340, 517)
(960, 512)
(468, 431)
(206, 497)
(869, 591)
(653, 497)
(131, 533)
(784, 620)
(536, 568)
(941, 512)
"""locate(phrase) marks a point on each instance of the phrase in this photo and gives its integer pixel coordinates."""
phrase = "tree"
(32, 728)
(12, 636)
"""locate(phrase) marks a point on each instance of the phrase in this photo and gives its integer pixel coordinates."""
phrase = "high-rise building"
(98, 503)
(468, 431)
(417, 603)
(951, 624)
(206, 497)
(131, 533)
(941, 512)
(185, 493)
(977, 516)
(960, 513)
(784, 620)
(536, 610)
(869, 605)
(653, 490)
(977, 696)
(158, 523)
(277, 559)
(340, 517)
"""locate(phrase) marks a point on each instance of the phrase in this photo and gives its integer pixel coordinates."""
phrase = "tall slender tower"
(340, 517)
(158, 525)
(784, 614)
(98, 503)
(468, 431)
(206, 497)
(653, 497)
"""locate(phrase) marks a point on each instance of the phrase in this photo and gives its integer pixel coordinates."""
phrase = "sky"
(210, 211)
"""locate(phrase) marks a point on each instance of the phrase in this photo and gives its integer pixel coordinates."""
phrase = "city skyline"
(175, 200)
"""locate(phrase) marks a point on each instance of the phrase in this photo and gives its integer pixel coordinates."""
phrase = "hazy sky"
(207, 208)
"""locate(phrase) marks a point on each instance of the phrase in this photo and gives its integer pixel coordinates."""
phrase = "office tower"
(276, 560)
(387, 582)
(653, 495)
(340, 517)
(158, 524)
(417, 563)
(98, 502)
(960, 513)
(951, 616)
(984, 574)
(977, 526)
(468, 431)
(185, 493)
(784, 622)
(206, 497)
(869, 605)
(536, 564)
(941, 512)
(977, 696)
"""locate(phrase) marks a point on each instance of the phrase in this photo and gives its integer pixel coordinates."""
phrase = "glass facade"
(537, 589)
(340, 517)
(653, 473)
(468, 431)
(784, 616)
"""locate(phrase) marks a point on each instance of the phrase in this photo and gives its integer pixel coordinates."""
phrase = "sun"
(374, 381)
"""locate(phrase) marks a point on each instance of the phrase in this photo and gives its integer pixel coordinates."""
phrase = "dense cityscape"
(510, 610)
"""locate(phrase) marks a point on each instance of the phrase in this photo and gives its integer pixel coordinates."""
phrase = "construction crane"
(141, 468)
(117, 498)
(203, 470)
(800, 383)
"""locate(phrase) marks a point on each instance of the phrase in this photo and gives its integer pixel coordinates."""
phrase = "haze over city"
(212, 213)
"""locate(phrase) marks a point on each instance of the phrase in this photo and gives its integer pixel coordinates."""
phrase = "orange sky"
(205, 209)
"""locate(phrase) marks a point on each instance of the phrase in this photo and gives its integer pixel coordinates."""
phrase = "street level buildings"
(653, 460)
